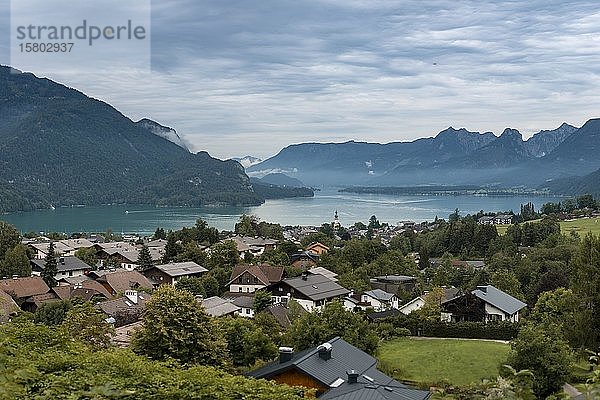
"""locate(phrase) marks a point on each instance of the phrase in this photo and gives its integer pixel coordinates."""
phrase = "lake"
(351, 207)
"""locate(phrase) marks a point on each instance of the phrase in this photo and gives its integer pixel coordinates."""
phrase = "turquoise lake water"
(301, 211)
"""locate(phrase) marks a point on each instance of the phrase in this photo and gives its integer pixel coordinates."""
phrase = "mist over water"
(143, 219)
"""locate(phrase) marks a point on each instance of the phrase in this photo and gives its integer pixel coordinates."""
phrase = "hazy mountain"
(359, 162)
(282, 180)
(61, 147)
(544, 142)
(248, 161)
(453, 157)
(164, 132)
(588, 184)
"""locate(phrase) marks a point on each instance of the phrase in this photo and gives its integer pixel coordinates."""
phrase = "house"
(249, 278)
(22, 289)
(325, 272)
(68, 266)
(317, 248)
(87, 290)
(126, 309)
(255, 246)
(336, 370)
(486, 303)
(40, 250)
(170, 273)
(304, 260)
(119, 281)
(380, 300)
(312, 292)
(281, 313)
(77, 244)
(218, 307)
(246, 306)
(394, 283)
(418, 302)
(500, 219)
(8, 307)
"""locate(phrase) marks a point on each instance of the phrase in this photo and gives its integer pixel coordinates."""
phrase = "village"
(447, 279)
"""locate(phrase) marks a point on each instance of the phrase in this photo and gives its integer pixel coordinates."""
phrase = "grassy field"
(581, 226)
(460, 362)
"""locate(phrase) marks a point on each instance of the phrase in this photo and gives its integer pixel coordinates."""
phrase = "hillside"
(61, 147)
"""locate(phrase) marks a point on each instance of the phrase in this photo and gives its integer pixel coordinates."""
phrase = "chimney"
(199, 298)
(324, 351)
(62, 260)
(304, 276)
(132, 295)
(285, 354)
(352, 376)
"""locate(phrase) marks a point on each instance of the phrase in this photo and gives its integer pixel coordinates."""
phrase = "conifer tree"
(50, 267)
(144, 260)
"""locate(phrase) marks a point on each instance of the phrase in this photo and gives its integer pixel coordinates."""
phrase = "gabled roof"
(59, 247)
(325, 272)
(8, 307)
(77, 243)
(379, 294)
(24, 287)
(305, 254)
(282, 314)
(216, 306)
(393, 278)
(181, 269)
(123, 304)
(316, 287)
(244, 302)
(331, 373)
(63, 264)
(265, 273)
(121, 281)
(316, 244)
(499, 299)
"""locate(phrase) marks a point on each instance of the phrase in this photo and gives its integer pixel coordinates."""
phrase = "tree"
(52, 313)
(432, 308)
(176, 326)
(88, 256)
(172, 248)
(508, 282)
(546, 354)
(9, 238)
(262, 300)
(86, 324)
(15, 262)
(191, 284)
(224, 255)
(586, 201)
(373, 223)
(312, 329)
(159, 234)
(144, 260)
(50, 267)
(246, 226)
(246, 341)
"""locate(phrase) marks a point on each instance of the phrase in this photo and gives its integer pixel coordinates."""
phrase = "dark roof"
(181, 269)
(216, 306)
(123, 304)
(24, 287)
(64, 264)
(265, 273)
(312, 256)
(394, 278)
(331, 373)
(282, 314)
(384, 314)
(316, 287)
(244, 301)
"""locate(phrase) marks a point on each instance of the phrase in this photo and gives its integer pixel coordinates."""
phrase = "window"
(247, 311)
(240, 289)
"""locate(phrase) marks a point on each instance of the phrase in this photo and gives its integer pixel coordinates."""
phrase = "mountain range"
(60, 147)
(452, 157)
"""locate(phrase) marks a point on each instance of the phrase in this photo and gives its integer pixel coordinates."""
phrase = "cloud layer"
(241, 77)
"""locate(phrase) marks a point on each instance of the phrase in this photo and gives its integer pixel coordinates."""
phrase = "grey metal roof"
(394, 278)
(379, 294)
(216, 306)
(244, 301)
(316, 287)
(499, 299)
(344, 357)
(64, 264)
(181, 268)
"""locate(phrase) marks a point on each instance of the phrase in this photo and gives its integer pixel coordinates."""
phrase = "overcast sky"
(252, 76)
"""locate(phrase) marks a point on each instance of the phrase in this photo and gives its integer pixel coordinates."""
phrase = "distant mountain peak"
(163, 131)
(512, 133)
(248, 161)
